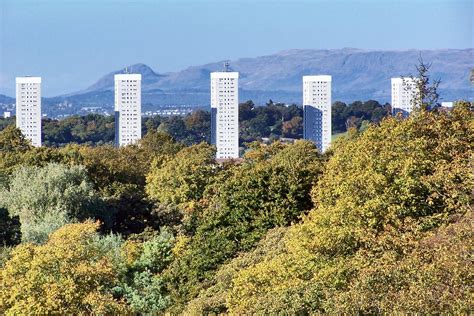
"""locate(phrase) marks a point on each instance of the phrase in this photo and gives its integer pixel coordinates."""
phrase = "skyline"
(224, 115)
(83, 40)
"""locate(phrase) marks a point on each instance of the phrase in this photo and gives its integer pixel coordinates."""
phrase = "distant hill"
(6, 99)
(357, 75)
(149, 77)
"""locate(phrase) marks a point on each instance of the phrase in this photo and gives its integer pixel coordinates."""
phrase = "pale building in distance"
(225, 114)
(28, 108)
(448, 105)
(404, 92)
(7, 114)
(128, 108)
(317, 110)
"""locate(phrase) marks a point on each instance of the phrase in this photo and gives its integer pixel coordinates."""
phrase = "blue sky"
(71, 43)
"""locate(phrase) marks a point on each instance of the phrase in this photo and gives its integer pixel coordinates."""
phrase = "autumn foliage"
(380, 224)
(67, 275)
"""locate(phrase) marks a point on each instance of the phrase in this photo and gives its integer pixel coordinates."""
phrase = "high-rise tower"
(128, 107)
(317, 110)
(403, 95)
(28, 108)
(225, 114)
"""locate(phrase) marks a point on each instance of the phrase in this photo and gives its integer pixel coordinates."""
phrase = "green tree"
(6, 121)
(143, 286)
(91, 129)
(352, 115)
(173, 126)
(9, 229)
(12, 145)
(293, 128)
(270, 188)
(246, 111)
(198, 126)
(119, 175)
(213, 300)
(426, 96)
(45, 198)
(12, 140)
(182, 179)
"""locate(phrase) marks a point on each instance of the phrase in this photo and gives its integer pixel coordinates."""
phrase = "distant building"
(128, 108)
(403, 95)
(317, 110)
(7, 114)
(448, 105)
(28, 108)
(225, 114)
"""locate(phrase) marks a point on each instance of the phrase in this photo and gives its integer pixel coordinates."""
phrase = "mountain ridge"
(283, 70)
(367, 71)
(358, 74)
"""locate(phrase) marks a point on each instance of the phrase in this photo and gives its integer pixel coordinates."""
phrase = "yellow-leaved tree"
(385, 196)
(69, 274)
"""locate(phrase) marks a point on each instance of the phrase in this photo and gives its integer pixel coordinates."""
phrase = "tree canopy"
(381, 223)
(372, 217)
(69, 274)
(46, 198)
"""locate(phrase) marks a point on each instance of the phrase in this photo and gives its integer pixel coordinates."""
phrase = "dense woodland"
(379, 224)
(273, 121)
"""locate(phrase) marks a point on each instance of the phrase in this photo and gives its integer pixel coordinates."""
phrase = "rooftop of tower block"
(119, 77)
(221, 74)
(317, 78)
(28, 79)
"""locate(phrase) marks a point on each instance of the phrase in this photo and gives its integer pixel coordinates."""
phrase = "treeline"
(355, 114)
(379, 224)
(273, 121)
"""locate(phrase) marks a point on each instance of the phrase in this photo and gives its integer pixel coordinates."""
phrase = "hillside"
(6, 99)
